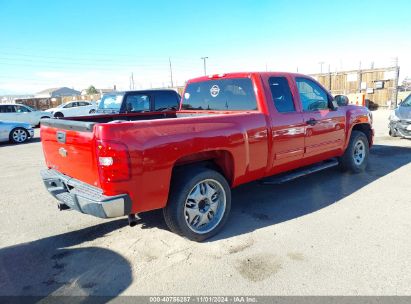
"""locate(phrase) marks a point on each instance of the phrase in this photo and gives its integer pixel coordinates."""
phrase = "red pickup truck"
(230, 129)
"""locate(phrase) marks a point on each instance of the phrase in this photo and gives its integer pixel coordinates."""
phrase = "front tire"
(18, 136)
(199, 203)
(58, 115)
(355, 158)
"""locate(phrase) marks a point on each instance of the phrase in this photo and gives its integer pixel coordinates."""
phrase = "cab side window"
(312, 96)
(281, 94)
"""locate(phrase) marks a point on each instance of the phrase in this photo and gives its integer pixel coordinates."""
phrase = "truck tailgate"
(69, 147)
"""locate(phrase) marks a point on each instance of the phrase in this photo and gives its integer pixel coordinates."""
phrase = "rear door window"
(236, 94)
(22, 109)
(166, 101)
(7, 109)
(281, 94)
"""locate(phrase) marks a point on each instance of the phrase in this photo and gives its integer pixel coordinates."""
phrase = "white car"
(22, 113)
(73, 108)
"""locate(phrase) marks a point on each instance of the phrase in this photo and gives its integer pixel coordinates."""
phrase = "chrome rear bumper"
(84, 198)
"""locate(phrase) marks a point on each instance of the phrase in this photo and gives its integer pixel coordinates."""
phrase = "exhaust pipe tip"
(132, 220)
(62, 207)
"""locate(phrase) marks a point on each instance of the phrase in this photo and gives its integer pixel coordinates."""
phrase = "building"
(12, 98)
(378, 86)
(57, 92)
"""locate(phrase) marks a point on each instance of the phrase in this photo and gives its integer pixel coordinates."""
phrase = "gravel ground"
(325, 234)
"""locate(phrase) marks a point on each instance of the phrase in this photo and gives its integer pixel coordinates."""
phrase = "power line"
(70, 52)
(82, 67)
(11, 60)
(131, 57)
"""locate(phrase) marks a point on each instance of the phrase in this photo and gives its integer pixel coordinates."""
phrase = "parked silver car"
(400, 119)
(15, 132)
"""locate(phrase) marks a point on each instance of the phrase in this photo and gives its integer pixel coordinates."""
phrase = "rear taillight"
(113, 161)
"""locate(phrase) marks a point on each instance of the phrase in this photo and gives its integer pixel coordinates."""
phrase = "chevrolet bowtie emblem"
(63, 152)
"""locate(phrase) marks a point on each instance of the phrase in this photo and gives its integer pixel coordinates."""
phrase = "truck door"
(287, 124)
(325, 128)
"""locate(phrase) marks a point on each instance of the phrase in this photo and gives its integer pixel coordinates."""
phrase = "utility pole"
(205, 64)
(132, 81)
(171, 72)
(321, 66)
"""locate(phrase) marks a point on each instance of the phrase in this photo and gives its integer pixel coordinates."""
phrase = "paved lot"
(324, 234)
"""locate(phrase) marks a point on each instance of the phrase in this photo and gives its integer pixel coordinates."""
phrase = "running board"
(285, 177)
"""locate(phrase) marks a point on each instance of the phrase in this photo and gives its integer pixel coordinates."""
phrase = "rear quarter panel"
(156, 146)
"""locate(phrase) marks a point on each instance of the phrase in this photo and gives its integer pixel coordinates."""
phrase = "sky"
(78, 43)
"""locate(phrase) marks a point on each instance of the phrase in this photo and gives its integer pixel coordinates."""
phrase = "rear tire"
(19, 135)
(199, 203)
(355, 158)
(92, 111)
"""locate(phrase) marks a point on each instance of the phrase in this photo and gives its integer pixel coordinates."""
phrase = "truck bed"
(86, 123)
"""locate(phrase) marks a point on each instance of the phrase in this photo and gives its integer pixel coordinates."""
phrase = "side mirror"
(332, 104)
(341, 100)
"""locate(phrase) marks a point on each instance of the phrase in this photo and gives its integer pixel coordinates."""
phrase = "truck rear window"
(235, 94)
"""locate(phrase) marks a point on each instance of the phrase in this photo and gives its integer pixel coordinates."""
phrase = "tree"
(91, 90)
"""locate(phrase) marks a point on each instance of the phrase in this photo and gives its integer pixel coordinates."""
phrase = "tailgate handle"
(61, 136)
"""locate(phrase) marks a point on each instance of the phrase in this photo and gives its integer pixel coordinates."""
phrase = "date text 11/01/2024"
(203, 299)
